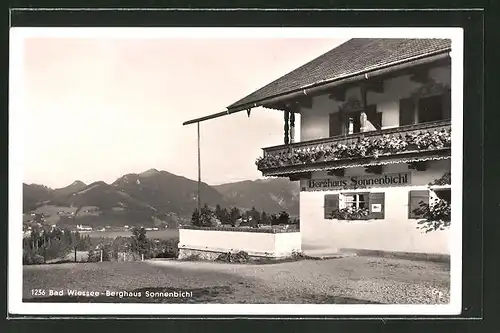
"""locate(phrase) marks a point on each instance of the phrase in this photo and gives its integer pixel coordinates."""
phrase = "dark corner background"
(477, 167)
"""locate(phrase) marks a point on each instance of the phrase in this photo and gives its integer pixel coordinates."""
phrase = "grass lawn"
(347, 280)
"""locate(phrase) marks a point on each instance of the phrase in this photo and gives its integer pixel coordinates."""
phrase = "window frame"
(342, 201)
(411, 214)
(417, 110)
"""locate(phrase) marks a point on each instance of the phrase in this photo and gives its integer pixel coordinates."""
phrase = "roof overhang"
(326, 85)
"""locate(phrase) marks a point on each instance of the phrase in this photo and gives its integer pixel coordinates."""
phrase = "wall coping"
(239, 229)
(258, 254)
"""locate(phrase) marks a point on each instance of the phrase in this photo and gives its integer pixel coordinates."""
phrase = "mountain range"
(153, 198)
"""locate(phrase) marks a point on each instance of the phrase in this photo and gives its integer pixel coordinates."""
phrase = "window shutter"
(374, 117)
(331, 203)
(376, 198)
(406, 111)
(447, 104)
(335, 124)
(414, 200)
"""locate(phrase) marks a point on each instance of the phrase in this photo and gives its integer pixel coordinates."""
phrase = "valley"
(153, 199)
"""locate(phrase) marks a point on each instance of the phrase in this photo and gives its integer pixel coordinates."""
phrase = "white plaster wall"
(287, 242)
(394, 233)
(315, 121)
(255, 243)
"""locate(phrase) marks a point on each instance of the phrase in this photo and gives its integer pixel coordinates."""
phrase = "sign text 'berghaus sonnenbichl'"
(393, 179)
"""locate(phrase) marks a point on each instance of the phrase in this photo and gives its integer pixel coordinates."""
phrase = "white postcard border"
(15, 268)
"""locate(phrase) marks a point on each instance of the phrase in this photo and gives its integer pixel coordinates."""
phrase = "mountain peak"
(149, 172)
(98, 183)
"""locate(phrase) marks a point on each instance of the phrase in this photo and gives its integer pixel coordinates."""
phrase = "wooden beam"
(336, 172)
(292, 127)
(305, 102)
(299, 176)
(375, 169)
(286, 127)
(363, 89)
(376, 86)
(338, 94)
(422, 76)
(418, 166)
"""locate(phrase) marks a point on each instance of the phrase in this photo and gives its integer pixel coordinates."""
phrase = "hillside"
(270, 195)
(72, 188)
(168, 192)
(152, 198)
(35, 195)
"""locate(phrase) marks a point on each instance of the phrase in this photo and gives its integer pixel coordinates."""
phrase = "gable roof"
(355, 56)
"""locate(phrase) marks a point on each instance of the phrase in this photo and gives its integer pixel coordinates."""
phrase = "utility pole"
(199, 170)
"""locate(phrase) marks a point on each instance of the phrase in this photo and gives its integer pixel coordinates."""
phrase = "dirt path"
(373, 279)
(345, 280)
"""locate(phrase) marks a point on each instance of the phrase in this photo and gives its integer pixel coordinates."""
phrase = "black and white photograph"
(235, 171)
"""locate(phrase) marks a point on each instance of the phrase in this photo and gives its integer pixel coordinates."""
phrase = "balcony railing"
(365, 147)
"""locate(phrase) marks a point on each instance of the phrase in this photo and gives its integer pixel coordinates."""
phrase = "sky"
(98, 108)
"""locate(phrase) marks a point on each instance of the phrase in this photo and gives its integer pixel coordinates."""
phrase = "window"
(415, 200)
(352, 123)
(335, 124)
(430, 109)
(349, 121)
(354, 200)
(406, 112)
(371, 203)
(425, 109)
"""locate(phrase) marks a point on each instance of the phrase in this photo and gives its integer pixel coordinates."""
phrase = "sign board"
(376, 208)
(341, 183)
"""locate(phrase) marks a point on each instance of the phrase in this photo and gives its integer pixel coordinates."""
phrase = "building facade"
(374, 145)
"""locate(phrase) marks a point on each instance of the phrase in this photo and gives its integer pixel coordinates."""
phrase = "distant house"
(81, 227)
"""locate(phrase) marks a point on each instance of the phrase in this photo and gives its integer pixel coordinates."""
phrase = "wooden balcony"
(405, 144)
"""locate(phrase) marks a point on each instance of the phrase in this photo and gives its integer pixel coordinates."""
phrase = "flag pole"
(199, 169)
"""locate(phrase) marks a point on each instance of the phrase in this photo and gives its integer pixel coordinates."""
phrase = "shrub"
(94, 255)
(238, 257)
(32, 258)
(350, 213)
(192, 257)
(435, 216)
(284, 218)
(298, 255)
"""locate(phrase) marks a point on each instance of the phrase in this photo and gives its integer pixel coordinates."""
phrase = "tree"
(220, 214)
(274, 219)
(234, 215)
(255, 215)
(195, 218)
(139, 240)
(435, 216)
(264, 218)
(206, 216)
(226, 218)
(284, 218)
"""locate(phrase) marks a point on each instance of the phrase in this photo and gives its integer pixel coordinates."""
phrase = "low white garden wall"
(271, 243)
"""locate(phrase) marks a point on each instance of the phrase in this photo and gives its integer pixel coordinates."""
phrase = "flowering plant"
(364, 147)
(350, 213)
(435, 216)
(444, 180)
